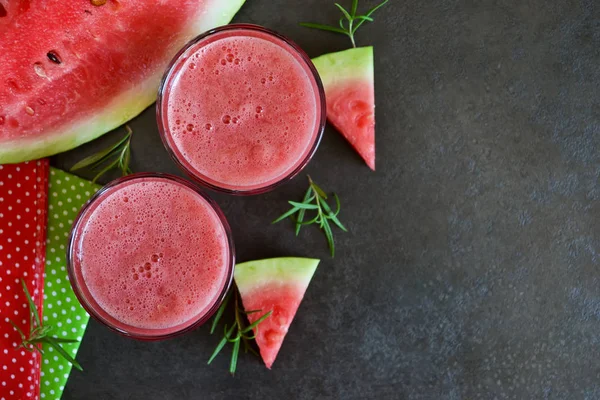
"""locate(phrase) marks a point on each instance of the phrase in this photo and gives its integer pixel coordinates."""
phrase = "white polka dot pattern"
(23, 197)
(67, 194)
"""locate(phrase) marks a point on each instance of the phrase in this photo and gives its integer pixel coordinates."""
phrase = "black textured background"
(472, 266)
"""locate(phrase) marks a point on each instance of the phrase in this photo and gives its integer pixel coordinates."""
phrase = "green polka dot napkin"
(66, 195)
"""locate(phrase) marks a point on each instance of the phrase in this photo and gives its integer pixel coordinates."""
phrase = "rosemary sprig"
(349, 23)
(315, 200)
(39, 334)
(115, 156)
(238, 332)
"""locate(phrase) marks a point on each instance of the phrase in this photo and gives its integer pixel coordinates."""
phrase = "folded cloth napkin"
(23, 203)
(67, 194)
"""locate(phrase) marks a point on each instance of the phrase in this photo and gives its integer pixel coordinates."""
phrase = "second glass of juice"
(241, 109)
(150, 256)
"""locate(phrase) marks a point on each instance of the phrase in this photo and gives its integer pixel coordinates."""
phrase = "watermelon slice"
(276, 285)
(350, 92)
(72, 71)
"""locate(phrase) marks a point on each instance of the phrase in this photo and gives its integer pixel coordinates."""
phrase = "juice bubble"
(226, 119)
(208, 127)
(190, 127)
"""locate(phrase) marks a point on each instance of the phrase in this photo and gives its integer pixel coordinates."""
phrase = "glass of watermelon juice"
(241, 109)
(150, 256)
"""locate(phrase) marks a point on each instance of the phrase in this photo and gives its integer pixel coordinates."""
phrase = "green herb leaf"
(315, 199)
(105, 170)
(117, 156)
(240, 328)
(32, 308)
(377, 7)
(257, 322)
(60, 340)
(234, 357)
(354, 7)
(220, 312)
(318, 189)
(332, 216)
(286, 215)
(221, 344)
(368, 16)
(329, 235)
(323, 27)
(305, 206)
(39, 333)
(302, 212)
(343, 10)
(354, 21)
(52, 342)
(123, 163)
(23, 337)
(98, 157)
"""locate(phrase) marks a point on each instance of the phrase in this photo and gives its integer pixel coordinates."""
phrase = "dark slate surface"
(472, 266)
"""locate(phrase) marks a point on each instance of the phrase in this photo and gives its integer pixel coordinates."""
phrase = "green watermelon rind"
(346, 66)
(120, 110)
(254, 275)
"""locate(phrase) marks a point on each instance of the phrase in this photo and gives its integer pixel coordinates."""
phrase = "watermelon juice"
(241, 109)
(150, 256)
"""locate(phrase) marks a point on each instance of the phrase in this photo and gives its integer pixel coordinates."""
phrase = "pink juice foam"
(241, 109)
(152, 253)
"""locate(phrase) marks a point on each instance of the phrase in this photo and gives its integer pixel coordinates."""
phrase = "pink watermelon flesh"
(276, 285)
(72, 71)
(350, 92)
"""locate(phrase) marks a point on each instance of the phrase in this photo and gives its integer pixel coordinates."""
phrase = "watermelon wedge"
(72, 71)
(276, 285)
(350, 92)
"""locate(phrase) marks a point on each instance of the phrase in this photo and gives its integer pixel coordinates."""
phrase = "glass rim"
(91, 306)
(320, 122)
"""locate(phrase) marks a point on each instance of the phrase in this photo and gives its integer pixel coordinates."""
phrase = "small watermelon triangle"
(277, 285)
(349, 84)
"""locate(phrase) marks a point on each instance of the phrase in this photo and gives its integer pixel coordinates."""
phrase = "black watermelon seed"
(52, 56)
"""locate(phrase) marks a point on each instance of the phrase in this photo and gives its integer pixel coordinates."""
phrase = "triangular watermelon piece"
(348, 79)
(277, 285)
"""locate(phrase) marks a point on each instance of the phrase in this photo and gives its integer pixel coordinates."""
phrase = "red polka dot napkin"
(23, 204)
